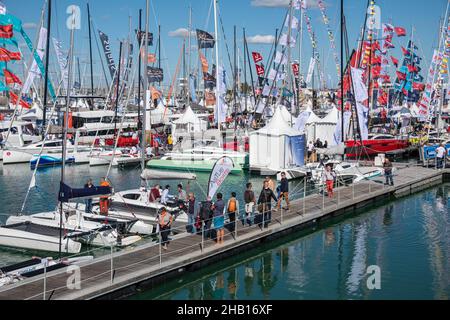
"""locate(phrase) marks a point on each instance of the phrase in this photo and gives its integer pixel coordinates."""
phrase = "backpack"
(232, 205)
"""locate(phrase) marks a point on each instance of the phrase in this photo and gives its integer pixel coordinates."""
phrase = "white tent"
(189, 122)
(323, 129)
(270, 145)
(158, 115)
(287, 116)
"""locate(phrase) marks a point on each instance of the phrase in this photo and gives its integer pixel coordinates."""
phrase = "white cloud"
(181, 33)
(29, 25)
(280, 3)
(261, 39)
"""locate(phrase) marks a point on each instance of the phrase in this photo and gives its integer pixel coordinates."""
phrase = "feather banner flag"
(257, 57)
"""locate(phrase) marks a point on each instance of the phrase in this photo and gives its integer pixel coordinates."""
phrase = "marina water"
(409, 240)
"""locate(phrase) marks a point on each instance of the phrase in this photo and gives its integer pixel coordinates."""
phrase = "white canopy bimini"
(275, 145)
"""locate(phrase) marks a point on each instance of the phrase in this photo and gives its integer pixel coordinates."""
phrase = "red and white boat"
(377, 143)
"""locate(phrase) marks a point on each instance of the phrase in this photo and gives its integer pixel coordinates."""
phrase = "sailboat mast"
(235, 84)
(117, 90)
(90, 50)
(188, 79)
(244, 86)
(66, 120)
(342, 72)
(139, 71)
(47, 58)
(146, 92)
(217, 62)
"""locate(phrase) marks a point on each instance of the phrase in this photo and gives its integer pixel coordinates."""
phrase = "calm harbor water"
(408, 239)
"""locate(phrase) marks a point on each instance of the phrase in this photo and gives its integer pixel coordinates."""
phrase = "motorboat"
(376, 143)
(200, 159)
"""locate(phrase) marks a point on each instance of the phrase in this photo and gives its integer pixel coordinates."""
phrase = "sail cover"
(66, 192)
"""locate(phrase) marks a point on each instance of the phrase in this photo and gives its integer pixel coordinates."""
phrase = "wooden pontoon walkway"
(124, 273)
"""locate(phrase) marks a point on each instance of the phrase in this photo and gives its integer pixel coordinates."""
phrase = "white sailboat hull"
(27, 240)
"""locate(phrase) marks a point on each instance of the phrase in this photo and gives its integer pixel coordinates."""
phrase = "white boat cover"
(150, 174)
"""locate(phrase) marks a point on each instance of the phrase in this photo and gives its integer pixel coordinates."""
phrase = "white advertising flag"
(312, 64)
(359, 85)
(280, 58)
(34, 70)
(220, 171)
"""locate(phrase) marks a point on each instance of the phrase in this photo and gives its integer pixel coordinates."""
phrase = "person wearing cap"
(165, 220)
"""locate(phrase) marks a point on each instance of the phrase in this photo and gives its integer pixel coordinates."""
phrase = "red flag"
(401, 76)
(394, 61)
(257, 57)
(205, 66)
(295, 69)
(10, 77)
(401, 32)
(388, 45)
(6, 31)
(376, 70)
(376, 46)
(259, 70)
(6, 55)
(412, 68)
(405, 52)
(376, 59)
(382, 98)
(418, 86)
(151, 58)
(13, 98)
(405, 92)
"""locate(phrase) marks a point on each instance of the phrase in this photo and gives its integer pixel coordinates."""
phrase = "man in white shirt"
(440, 156)
(165, 195)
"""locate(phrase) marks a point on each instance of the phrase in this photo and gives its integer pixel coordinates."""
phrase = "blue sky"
(112, 17)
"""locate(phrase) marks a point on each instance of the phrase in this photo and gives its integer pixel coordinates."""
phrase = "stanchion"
(45, 279)
(160, 245)
(203, 235)
(236, 223)
(353, 191)
(112, 265)
(323, 198)
(304, 195)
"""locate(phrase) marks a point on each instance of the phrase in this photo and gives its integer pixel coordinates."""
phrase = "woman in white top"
(328, 178)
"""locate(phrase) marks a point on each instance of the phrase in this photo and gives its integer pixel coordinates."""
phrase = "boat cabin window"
(53, 144)
(131, 196)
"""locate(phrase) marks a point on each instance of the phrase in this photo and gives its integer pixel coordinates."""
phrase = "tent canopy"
(277, 126)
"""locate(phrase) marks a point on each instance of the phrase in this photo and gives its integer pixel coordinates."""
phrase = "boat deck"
(125, 272)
